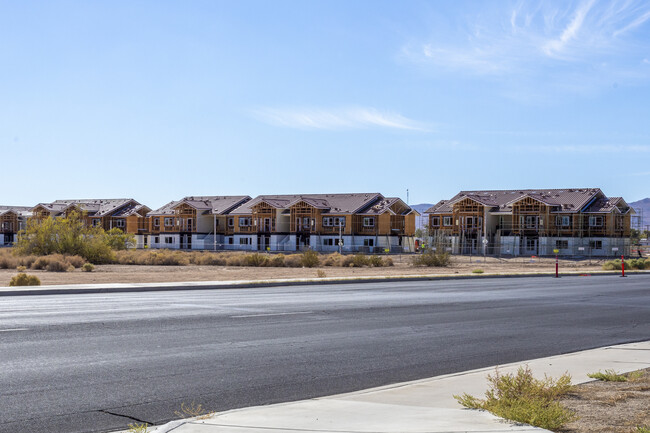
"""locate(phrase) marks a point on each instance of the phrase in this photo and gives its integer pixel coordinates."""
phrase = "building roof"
(23, 211)
(97, 207)
(218, 205)
(607, 205)
(330, 203)
(564, 200)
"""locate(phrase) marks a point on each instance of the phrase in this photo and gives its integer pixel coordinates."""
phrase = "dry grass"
(611, 406)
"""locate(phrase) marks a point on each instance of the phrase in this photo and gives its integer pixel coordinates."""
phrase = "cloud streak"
(587, 149)
(335, 119)
(543, 42)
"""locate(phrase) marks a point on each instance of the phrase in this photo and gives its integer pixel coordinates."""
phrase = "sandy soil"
(612, 407)
(156, 274)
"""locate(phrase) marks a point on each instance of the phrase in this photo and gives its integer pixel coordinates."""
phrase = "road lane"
(97, 362)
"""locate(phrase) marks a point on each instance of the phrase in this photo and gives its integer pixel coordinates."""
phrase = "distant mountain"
(421, 220)
(642, 206)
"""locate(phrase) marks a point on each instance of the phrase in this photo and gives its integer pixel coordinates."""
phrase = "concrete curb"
(222, 285)
(416, 389)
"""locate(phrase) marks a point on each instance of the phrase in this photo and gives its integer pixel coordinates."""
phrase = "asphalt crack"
(125, 416)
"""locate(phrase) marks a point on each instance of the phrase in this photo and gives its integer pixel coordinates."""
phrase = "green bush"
(88, 267)
(359, 261)
(608, 376)
(23, 279)
(309, 259)
(616, 265)
(522, 398)
(432, 258)
(477, 271)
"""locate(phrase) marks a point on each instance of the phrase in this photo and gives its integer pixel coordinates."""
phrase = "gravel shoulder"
(461, 265)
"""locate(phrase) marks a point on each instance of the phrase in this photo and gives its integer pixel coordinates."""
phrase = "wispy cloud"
(545, 42)
(334, 119)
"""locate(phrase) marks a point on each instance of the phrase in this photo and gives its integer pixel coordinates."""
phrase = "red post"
(556, 267)
(623, 266)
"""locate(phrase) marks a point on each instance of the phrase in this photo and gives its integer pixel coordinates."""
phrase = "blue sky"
(157, 100)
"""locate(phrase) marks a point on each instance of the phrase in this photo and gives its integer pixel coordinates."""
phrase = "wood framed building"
(125, 214)
(578, 222)
(359, 222)
(197, 222)
(12, 220)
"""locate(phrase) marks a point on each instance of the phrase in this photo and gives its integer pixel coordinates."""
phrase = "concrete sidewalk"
(420, 406)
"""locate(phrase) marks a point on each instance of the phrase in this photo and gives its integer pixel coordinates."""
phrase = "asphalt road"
(97, 362)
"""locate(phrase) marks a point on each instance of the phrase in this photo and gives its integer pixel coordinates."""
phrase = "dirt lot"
(461, 265)
(610, 407)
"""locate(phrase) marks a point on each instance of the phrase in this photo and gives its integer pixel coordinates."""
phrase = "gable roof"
(21, 211)
(565, 200)
(95, 207)
(216, 205)
(330, 203)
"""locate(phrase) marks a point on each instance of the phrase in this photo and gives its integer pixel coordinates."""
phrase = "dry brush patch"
(611, 406)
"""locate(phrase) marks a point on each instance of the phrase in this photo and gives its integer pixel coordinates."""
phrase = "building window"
(368, 242)
(369, 221)
(169, 222)
(530, 221)
(244, 222)
(328, 242)
(244, 241)
(334, 221)
(531, 244)
(564, 221)
(119, 223)
(97, 222)
(156, 240)
(328, 221)
(446, 221)
(231, 222)
(231, 241)
(562, 245)
(156, 222)
(435, 221)
(619, 223)
(169, 240)
(596, 245)
(595, 221)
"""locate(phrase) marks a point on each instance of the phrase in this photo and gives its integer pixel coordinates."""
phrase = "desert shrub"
(612, 265)
(23, 279)
(97, 251)
(320, 273)
(88, 267)
(309, 259)
(207, 259)
(8, 262)
(167, 258)
(640, 264)
(21, 268)
(388, 261)
(58, 265)
(359, 261)
(76, 261)
(293, 261)
(523, 398)
(255, 259)
(235, 260)
(375, 261)
(477, 271)
(277, 261)
(26, 261)
(334, 259)
(40, 263)
(432, 258)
